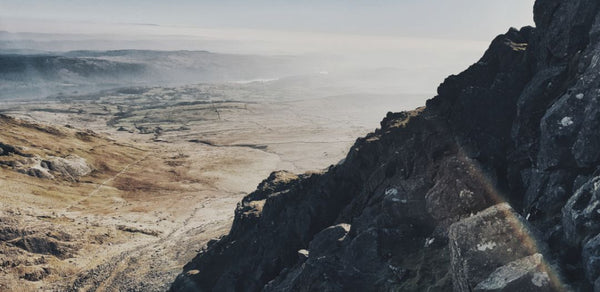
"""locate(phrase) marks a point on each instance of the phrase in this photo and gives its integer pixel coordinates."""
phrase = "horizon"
(273, 27)
(385, 17)
(430, 39)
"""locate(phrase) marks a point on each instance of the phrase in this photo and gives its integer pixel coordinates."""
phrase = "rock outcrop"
(71, 167)
(519, 126)
(494, 250)
(523, 275)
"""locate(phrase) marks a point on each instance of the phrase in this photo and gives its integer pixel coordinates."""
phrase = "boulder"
(457, 192)
(486, 241)
(523, 275)
(71, 166)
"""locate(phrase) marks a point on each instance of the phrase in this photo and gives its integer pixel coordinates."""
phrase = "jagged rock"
(483, 242)
(36, 171)
(581, 214)
(458, 192)
(523, 275)
(519, 125)
(591, 259)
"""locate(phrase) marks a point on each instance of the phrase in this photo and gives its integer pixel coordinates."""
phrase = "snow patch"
(566, 121)
(579, 96)
(596, 185)
(486, 246)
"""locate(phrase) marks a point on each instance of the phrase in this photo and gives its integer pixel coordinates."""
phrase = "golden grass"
(105, 156)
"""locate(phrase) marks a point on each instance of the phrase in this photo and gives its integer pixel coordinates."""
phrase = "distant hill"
(30, 74)
(21, 67)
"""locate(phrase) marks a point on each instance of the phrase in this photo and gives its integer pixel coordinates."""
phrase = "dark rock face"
(591, 259)
(519, 126)
(581, 213)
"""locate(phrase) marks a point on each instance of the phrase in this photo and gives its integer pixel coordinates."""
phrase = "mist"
(383, 48)
(378, 48)
(362, 63)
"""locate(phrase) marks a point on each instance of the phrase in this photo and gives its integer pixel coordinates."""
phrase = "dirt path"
(124, 263)
(105, 182)
(148, 266)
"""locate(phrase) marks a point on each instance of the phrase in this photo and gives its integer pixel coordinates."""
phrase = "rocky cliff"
(493, 186)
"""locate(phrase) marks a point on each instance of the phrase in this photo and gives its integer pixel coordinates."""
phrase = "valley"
(166, 168)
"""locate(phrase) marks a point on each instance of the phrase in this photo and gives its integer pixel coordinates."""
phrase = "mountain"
(26, 74)
(42, 75)
(493, 186)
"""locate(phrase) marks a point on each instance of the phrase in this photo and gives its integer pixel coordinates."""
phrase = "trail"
(102, 184)
(108, 276)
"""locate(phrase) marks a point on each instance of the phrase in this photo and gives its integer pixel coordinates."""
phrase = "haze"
(431, 39)
(449, 19)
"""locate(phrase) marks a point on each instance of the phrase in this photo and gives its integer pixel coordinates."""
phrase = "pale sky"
(438, 37)
(459, 19)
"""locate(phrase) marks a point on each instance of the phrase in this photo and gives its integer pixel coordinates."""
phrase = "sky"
(438, 37)
(463, 19)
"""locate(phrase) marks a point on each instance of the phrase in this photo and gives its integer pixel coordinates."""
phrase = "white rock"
(429, 241)
(566, 121)
(486, 246)
(391, 192)
(465, 193)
